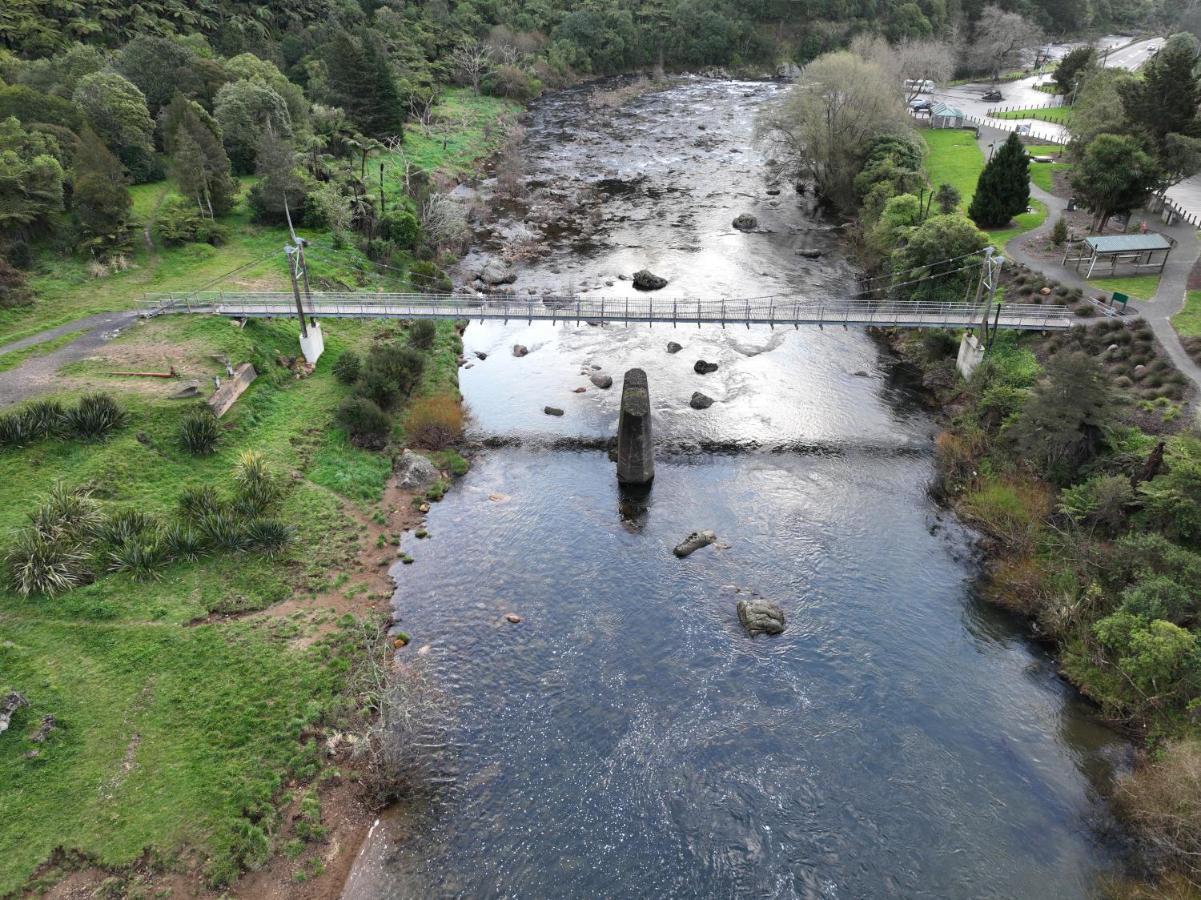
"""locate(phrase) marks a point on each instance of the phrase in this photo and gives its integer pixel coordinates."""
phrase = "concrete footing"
(971, 352)
(232, 389)
(635, 446)
(314, 345)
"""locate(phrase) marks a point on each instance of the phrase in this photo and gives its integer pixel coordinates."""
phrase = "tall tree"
(1003, 189)
(157, 66)
(281, 189)
(245, 110)
(361, 83)
(201, 167)
(31, 179)
(1072, 67)
(1114, 175)
(1164, 101)
(1001, 38)
(116, 110)
(101, 197)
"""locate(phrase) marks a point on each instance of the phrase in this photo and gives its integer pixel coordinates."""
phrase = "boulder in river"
(497, 271)
(809, 253)
(746, 222)
(694, 542)
(704, 368)
(646, 280)
(481, 355)
(413, 471)
(760, 617)
(700, 401)
(673, 347)
(552, 410)
(520, 350)
(602, 381)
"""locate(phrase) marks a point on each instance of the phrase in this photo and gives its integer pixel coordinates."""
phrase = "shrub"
(257, 489)
(67, 512)
(199, 432)
(180, 222)
(197, 502)
(422, 334)
(347, 367)
(141, 556)
(1059, 232)
(367, 424)
(1159, 597)
(126, 525)
(40, 563)
(222, 530)
(390, 370)
(181, 542)
(268, 536)
(427, 277)
(1101, 501)
(1172, 500)
(401, 228)
(435, 422)
(1162, 799)
(95, 417)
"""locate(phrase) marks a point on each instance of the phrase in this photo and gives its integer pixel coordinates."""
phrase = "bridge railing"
(760, 310)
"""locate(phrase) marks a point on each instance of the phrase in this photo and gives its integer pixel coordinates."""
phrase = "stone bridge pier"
(635, 446)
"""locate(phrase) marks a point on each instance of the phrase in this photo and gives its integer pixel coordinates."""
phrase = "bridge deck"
(760, 311)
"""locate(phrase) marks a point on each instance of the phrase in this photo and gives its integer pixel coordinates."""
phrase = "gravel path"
(37, 375)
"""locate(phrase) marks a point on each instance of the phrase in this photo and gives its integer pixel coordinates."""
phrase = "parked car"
(920, 105)
(993, 96)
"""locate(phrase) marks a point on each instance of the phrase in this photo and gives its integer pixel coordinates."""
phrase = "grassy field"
(178, 718)
(1187, 322)
(955, 158)
(1043, 174)
(1140, 287)
(1057, 115)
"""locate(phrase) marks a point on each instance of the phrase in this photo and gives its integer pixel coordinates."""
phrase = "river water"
(627, 739)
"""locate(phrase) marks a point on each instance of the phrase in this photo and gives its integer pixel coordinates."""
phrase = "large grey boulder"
(646, 280)
(704, 368)
(413, 471)
(760, 617)
(497, 271)
(520, 350)
(700, 401)
(694, 542)
(746, 222)
(552, 410)
(602, 381)
(673, 347)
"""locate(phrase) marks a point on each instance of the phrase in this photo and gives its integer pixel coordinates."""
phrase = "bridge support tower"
(971, 352)
(635, 446)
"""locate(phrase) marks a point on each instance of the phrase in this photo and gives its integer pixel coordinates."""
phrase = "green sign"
(1119, 297)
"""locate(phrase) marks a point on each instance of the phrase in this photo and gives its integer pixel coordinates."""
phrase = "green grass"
(1187, 322)
(16, 357)
(170, 733)
(954, 158)
(1057, 115)
(1140, 287)
(1022, 223)
(1043, 174)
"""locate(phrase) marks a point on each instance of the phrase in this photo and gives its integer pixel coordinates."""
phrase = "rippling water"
(627, 738)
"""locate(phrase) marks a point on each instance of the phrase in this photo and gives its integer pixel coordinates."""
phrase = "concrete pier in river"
(635, 446)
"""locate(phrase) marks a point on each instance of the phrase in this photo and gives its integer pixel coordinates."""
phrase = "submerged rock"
(704, 368)
(673, 347)
(646, 280)
(513, 618)
(481, 355)
(746, 222)
(602, 381)
(552, 410)
(520, 350)
(760, 617)
(413, 471)
(809, 253)
(700, 401)
(694, 542)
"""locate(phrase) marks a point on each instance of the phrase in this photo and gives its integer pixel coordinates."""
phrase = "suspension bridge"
(772, 311)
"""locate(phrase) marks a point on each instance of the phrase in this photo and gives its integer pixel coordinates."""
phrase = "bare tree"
(472, 60)
(444, 221)
(824, 124)
(912, 62)
(1001, 41)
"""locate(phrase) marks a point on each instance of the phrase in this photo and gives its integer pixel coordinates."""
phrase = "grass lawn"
(1140, 287)
(1023, 223)
(179, 720)
(1057, 115)
(1043, 174)
(954, 158)
(1187, 322)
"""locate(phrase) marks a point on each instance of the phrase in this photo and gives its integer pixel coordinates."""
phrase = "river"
(626, 738)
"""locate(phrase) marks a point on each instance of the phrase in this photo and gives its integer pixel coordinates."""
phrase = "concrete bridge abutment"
(635, 444)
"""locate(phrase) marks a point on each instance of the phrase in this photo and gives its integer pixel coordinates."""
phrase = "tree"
(248, 67)
(1072, 67)
(116, 110)
(200, 166)
(472, 60)
(1172, 500)
(31, 178)
(825, 124)
(1164, 100)
(934, 256)
(156, 65)
(1003, 189)
(1001, 38)
(1114, 175)
(1179, 159)
(362, 84)
(1098, 108)
(245, 111)
(1064, 424)
(948, 198)
(101, 197)
(911, 62)
(281, 190)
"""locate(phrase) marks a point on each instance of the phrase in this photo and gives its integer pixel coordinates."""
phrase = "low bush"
(390, 371)
(435, 423)
(1163, 801)
(140, 556)
(422, 334)
(268, 536)
(367, 425)
(95, 418)
(347, 367)
(199, 432)
(255, 487)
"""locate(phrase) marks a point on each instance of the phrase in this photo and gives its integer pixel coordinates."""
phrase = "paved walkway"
(1168, 299)
(36, 375)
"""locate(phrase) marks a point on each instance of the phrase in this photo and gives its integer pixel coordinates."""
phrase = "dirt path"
(37, 374)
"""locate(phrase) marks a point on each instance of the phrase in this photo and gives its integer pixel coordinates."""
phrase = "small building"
(1138, 253)
(944, 116)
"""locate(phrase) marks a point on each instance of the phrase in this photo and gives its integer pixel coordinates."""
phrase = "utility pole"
(292, 254)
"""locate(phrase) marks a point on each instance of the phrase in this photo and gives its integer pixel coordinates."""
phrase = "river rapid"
(626, 738)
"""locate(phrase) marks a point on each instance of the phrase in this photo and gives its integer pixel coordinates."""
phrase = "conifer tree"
(200, 166)
(1003, 189)
(362, 84)
(101, 197)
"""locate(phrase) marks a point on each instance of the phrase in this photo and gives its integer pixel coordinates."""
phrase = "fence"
(1058, 103)
(1045, 137)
